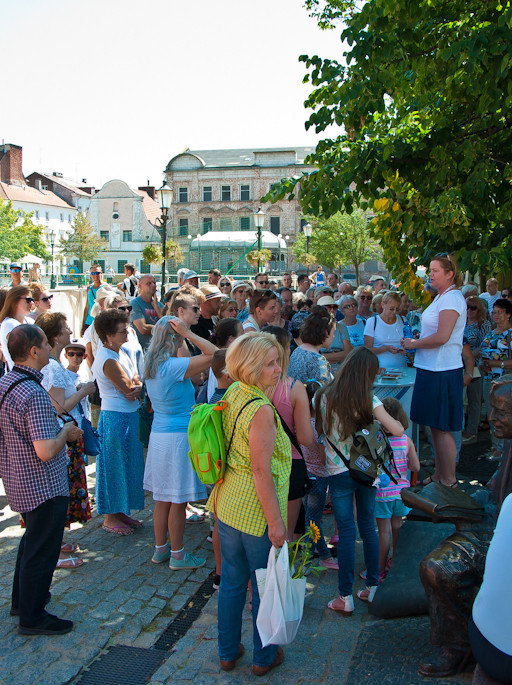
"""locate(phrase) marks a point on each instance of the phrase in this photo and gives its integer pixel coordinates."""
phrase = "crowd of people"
(296, 363)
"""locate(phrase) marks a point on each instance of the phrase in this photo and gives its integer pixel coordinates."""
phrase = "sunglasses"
(194, 308)
(332, 306)
(75, 354)
(28, 300)
(225, 285)
(126, 309)
(96, 273)
(365, 297)
(262, 282)
(15, 271)
(349, 306)
(47, 299)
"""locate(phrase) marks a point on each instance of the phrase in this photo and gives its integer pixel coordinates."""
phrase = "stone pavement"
(118, 597)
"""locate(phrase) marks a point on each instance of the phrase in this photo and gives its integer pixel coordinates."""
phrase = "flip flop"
(133, 523)
(195, 518)
(69, 563)
(69, 547)
(118, 530)
(427, 481)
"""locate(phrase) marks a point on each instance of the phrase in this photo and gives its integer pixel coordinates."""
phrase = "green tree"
(82, 243)
(341, 239)
(17, 239)
(423, 103)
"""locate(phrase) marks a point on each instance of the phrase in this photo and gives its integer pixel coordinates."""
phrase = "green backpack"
(207, 453)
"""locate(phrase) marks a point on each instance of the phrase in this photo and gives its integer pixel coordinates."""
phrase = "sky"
(108, 89)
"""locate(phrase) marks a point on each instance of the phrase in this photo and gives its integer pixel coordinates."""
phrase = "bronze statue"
(452, 574)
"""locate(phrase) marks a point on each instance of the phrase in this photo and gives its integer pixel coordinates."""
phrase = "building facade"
(220, 190)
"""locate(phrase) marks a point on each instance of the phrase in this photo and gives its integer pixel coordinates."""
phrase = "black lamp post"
(52, 277)
(259, 221)
(165, 197)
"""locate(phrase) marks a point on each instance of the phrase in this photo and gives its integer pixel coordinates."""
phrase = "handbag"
(281, 599)
(91, 437)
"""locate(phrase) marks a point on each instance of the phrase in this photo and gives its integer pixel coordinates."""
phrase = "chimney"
(150, 190)
(11, 165)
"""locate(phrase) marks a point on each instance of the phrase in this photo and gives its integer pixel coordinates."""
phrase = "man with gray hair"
(492, 294)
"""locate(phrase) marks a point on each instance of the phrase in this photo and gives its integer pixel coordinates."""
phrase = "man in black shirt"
(209, 308)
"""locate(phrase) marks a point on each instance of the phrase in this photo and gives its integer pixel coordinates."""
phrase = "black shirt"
(204, 328)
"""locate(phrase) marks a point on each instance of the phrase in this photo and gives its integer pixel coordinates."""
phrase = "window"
(79, 265)
(69, 218)
(245, 223)
(245, 193)
(145, 268)
(183, 226)
(182, 194)
(120, 265)
(225, 193)
(47, 215)
(115, 207)
(207, 193)
(44, 187)
(115, 216)
(101, 262)
(37, 214)
(61, 216)
(127, 236)
(207, 224)
(225, 224)
(275, 224)
(104, 235)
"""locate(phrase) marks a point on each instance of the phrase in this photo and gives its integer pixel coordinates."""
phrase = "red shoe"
(230, 665)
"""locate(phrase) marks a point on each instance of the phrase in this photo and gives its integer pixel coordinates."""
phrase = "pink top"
(314, 456)
(282, 402)
(400, 450)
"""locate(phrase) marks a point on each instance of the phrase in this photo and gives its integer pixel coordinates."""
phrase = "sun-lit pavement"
(118, 597)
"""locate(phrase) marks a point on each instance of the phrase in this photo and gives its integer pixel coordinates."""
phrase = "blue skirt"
(120, 464)
(437, 399)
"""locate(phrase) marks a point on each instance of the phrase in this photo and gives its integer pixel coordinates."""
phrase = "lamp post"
(259, 221)
(199, 255)
(165, 197)
(189, 246)
(308, 230)
(287, 238)
(52, 245)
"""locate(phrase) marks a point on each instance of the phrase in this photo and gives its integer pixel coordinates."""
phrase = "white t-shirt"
(113, 399)
(492, 610)
(56, 376)
(490, 299)
(130, 287)
(5, 328)
(334, 464)
(387, 334)
(447, 356)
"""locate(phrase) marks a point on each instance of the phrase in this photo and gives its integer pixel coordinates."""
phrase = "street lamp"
(308, 230)
(259, 221)
(165, 197)
(52, 245)
(189, 246)
(279, 243)
(287, 238)
(199, 254)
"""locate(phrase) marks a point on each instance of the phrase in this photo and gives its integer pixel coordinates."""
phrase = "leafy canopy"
(18, 239)
(423, 103)
(342, 239)
(82, 243)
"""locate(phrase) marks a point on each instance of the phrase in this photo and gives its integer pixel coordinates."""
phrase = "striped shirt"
(237, 504)
(392, 491)
(27, 416)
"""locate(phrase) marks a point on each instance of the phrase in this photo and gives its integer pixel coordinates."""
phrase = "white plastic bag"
(281, 600)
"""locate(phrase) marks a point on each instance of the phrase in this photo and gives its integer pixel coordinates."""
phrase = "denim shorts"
(388, 508)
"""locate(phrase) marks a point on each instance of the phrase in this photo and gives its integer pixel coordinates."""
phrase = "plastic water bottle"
(407, 330)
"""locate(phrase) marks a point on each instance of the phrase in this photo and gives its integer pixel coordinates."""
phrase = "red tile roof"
(32, 195)
(150, 207)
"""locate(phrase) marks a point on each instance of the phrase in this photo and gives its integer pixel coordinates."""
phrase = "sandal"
(342, 605)
(69, 547)
(427, 481)
(70, 562)
(195, 518)
(118, 530)
(133, 523)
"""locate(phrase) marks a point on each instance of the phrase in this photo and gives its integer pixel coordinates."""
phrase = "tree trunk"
(356, 269)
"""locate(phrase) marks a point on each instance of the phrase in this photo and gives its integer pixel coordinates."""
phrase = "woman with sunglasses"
(15, 311)
(354, 323)
(437, 399)
(228, 308)
(241, 292)
(383, 333)
(65, 397)
(225, 286)
(263, 310)
(477, 327)
(42, 301)
(132, 346)
(364, 295)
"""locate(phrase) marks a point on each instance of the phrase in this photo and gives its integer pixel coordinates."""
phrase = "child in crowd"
(223, 379)
(314, 456)
(389, 508)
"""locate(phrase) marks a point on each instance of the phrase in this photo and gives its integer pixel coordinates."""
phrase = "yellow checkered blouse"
(237, 503)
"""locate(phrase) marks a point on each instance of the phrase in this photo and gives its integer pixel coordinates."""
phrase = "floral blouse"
(496, 346)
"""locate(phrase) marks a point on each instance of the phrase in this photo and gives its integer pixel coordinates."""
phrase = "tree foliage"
(423, 103)
(82, 243)
(18, 239)
(342, 239)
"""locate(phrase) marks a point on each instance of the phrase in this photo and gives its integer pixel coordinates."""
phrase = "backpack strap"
(290, 434)
(342, 457)
(234, 425)
(13, 385)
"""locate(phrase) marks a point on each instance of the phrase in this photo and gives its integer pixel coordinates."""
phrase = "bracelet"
(466, 373)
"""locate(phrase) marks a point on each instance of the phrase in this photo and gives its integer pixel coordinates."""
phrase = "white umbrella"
(31, 259)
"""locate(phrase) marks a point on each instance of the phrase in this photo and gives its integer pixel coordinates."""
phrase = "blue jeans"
(241, 554)
(315, 505)
(343, 488)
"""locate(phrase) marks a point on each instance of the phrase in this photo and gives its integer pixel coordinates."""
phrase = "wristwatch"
(502, 365)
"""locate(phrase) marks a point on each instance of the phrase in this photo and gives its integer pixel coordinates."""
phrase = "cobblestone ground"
(118, 597)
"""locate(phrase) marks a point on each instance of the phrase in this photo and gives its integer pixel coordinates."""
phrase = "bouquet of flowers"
(300, 553)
